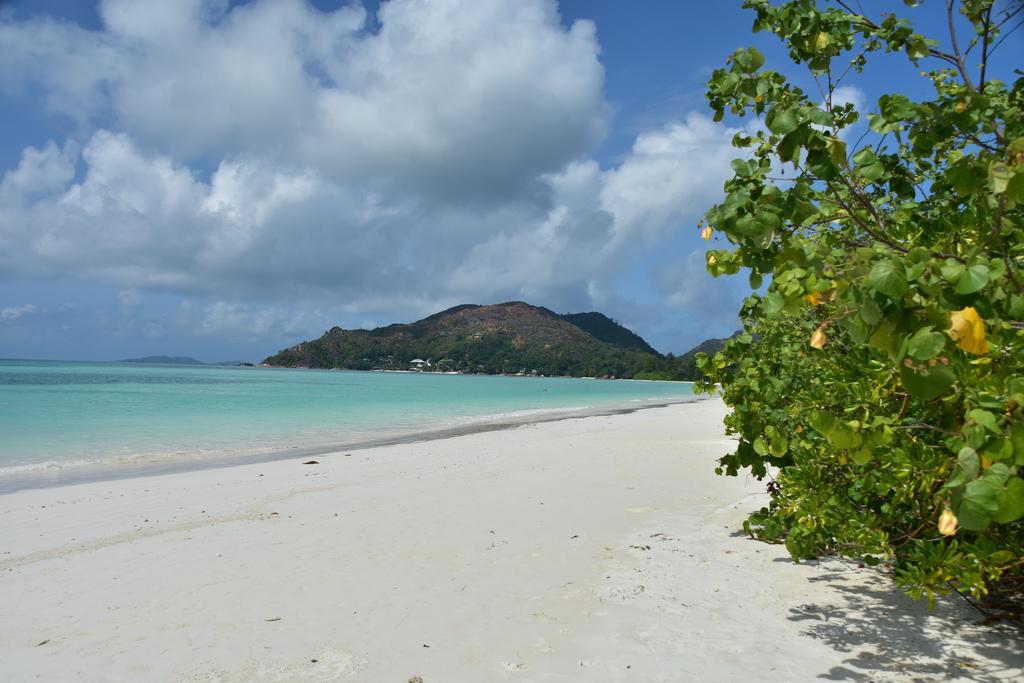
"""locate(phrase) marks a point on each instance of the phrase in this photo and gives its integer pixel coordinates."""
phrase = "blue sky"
(224, 179)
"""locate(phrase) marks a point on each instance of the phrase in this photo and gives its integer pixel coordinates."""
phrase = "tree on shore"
(879, 381)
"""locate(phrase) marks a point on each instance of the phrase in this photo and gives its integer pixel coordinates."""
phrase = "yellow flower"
(818, 338)
(814, 298)
(706, 232)
(947, 522)
(960, 107)
(712, 259)
(967, 329)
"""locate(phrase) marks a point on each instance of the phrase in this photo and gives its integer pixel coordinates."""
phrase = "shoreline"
(81, 473)
(602, 548)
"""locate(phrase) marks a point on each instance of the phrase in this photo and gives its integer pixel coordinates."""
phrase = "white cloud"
(40, 172)
(234, 320)
(686, 282)
(688, 289)
(849, 94)
(670, 173)
(256, 230)
(129, 299)
(431, 101)
(15, 312)
(271, 152)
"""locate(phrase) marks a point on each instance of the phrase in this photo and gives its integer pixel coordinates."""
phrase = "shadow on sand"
(889, 635)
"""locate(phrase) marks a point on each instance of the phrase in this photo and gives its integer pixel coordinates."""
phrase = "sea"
(62, 422)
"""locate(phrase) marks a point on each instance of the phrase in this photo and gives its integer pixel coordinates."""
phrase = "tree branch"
(958, 58)
(986, 23)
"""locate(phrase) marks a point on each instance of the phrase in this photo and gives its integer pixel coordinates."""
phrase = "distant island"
(182, 360)
(513, 338)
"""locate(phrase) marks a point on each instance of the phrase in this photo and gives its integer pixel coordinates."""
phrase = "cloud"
(39, 172)
(670, 173)
(690, 294)
(141, 220)
(129, 299)
(268, 157)
(15, 312)
(431, 101)
(232, 320)
(849, 94)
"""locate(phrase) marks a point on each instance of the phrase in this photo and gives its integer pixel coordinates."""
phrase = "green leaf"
(888, 277)
(818, 116)
(749, 59)
(985, 419)
(999, 175)
(821, 165)
(862, 456)
(952, 270)
(999, 449)
(773, 304)
(1011, 502)
(883, 340)
(873, 172)
(760, 447)
(969, 462)
(783, 122)
(822, 421)
(836, 151)
(978, 505)
(917, 47)
(864, 157)
(928, 385)
(844, 438)
(869, 311)
(1002, 557)
(1015, 188)
(1017, 440)
(972, 279)
(965, 176)
(926, 344)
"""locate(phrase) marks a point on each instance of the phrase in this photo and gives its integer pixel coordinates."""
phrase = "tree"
(879, 380)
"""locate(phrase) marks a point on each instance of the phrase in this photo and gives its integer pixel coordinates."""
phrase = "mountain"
(607, 330)
(165, 360)
(512, 337)
(181, 360)
(686, 364)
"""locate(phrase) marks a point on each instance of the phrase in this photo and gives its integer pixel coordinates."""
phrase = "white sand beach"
(598, 549)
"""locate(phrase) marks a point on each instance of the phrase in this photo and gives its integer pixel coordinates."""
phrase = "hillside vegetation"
(508, 338)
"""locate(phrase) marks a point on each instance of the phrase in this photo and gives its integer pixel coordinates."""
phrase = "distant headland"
(513, 338)
(181, 360)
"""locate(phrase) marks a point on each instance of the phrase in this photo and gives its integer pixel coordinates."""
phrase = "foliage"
(879, 381)
(607, 330)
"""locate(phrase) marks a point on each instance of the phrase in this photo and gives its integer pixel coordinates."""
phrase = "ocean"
(62, 421)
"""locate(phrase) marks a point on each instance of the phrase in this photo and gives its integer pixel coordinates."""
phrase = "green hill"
(607, 330)
(510, 338)
(165, 360)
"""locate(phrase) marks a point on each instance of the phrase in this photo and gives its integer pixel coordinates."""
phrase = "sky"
(225, 178)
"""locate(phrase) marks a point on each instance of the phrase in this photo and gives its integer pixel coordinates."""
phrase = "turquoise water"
(67, 415)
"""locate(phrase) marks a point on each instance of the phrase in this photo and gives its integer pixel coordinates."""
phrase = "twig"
(986, 25)
(959, 60)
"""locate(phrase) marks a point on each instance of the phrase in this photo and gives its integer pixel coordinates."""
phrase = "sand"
(593, 549)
